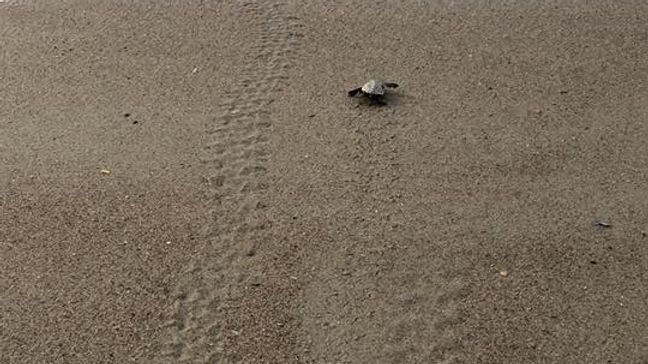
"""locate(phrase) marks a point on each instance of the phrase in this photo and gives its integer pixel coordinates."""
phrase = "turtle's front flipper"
(391, 84)
(355, 91)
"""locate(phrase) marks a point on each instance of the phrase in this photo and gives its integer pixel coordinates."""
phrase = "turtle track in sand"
(386, 279)
(383, 294)
(234, 156)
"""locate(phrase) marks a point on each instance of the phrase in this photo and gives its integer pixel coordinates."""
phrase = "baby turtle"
(373, 90)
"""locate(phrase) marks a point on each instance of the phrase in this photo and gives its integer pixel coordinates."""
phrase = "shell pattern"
(373, 87)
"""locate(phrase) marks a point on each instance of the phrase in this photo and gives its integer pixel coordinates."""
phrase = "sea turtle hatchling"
(373, 90)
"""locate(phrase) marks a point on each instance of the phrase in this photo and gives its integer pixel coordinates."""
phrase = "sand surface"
(187, 182)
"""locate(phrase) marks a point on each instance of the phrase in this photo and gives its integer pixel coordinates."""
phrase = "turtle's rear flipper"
(391, 84)
(355, 91)
(377, 100)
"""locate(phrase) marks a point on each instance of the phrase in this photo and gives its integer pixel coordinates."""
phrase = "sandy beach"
(188, 182)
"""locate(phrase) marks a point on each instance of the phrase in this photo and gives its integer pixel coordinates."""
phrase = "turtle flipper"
(390, 84)
(355, 91)
(377, 100)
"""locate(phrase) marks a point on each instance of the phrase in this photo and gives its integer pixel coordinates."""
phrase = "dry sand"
(187, 182)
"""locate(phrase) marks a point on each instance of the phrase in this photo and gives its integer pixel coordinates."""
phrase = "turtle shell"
(373, 87)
